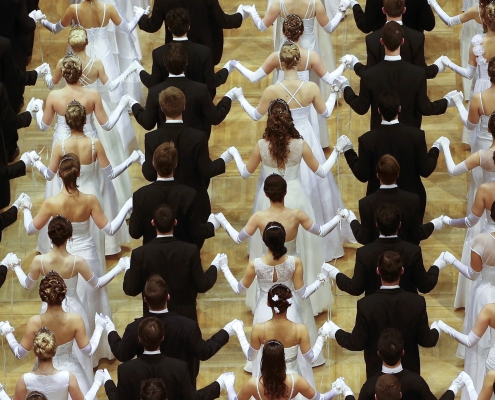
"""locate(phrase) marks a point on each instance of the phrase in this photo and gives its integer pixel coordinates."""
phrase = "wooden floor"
(234, 197)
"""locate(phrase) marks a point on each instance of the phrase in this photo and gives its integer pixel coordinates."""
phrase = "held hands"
(124, 263)
(5, 328)
(229, 328)
(139, 11)
(449, 257)
(23, 202)
(124, 100)
(341, 83)
(100, 320)
(242, 11)
(142, 157)
(346, 214)
(441, 66)
(220, 261)
(137, 66)
(458, 97)
(37, 15)
(435, 325)
(450, 98)
(99, 377)
(220, 217)
(238, 326)
(34, 106)
(438, 223)
(440, 262)
(446, 219)
(230, 65)
(229, 379)
(109, 325)
(232, 93)
(42, 70)
(226, 156)
(250, 10)
(343, 144)
(328, 330)
(329, 271)
(135, 156)
(350, 61)
(213, 221)
(11, 261)
(344, 5)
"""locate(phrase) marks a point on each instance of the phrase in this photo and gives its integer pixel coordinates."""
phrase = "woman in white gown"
(276, 382)
(277, 267)
(300, 95)
(67, 327)
(95, 17)
(56, 105)
(80, 208)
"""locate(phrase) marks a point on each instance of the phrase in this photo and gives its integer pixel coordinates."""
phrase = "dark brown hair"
(387, 218)
(36, 396)
(293, 27)
(164, 218)
(156, 293)
(69, 169)
(492, 211)
(178, 21)
(165, 159)
(283, 293)
(392, 35)
(387, 387)
(388, 169)
(275, 188)
(280, 131)
(274, 238)
(273, 370)
(59, 230)
(150, 333)
(52, 289)
(175, 58)
(153, 389)
(390, 346)
(394, 8)
(172, 102)
(390, 266)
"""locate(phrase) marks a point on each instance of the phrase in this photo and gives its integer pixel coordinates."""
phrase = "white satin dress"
(54, 387)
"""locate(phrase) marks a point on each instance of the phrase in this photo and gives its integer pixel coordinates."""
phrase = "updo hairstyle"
(275, 188)
(75, 116)
(52, 289)
(279, 131)
(274, 239)
(289, 55)
(71, 68)
(489, 16)
(69, 169)
(273, 370)
(59, 230)
(293, 27)
(78, 38)
(281, 294)
(44, 344)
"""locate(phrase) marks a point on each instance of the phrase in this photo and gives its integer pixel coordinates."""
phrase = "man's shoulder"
(374, 37)
(193, 135)
(409, 196)
(159, 51)
(198, 49)
(412, 34)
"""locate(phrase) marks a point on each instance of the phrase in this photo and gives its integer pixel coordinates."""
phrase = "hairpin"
(279, 101)
(70, 53)
(274, 341)
(45, 329)
(275, 298)
(277, 311)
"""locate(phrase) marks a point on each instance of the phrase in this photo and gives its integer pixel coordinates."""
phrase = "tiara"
(278, 101)
(70, 53)
(45, 329)
(65, 158)
(75, 103)
(274, 341)
(273, 227)
(34, 394)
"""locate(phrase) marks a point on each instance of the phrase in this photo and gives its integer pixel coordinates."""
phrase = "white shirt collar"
(391, 236)
(152, 352)
(393, 122)
(387, 58)
(164, 179)
(390, 287)
(183, 76)
(395, 370)
(399, 22)
(160, 236)
(388, 186)
(174, 121)
(180, 39)
(166, 310)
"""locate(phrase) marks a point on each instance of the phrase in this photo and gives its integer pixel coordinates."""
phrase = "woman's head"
(52, 289)
(59, 230)
(489, 16)
(75, 116)
(274, 239)
(69, 169)
(71, 68)
(78, 38)
(36, 396)
(44, 344)
(273, 370)
(289, 56)
(279, 131)
(275, 188)
(293, 27)
(279, 298)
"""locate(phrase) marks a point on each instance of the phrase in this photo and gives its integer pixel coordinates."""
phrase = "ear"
(168, 297)
(379, 112)
(163, 337)
(377, 352)
(404, 10)
(152, 222)
(400, 395)
(400, 109)
(175, 222)
(400, 224)
(402, 271)
(383, 10)
(377, 271)
(403, 352)
(402, 42)
(381, 41)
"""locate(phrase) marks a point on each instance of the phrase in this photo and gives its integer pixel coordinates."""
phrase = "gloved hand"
(229, 328)
(25, 202)
(449, 98)
(42, 70)
(441, 66)
(330, 271)
(446, 219)
(10, 261)
(341, 82)
(139, 11)
(238, 326)
(440, 262)
(134, 156)
(6, 328)
(436, 325)
(343, 144)
(238, 93)
(458, 97)
(250, 9)
(137, 66)
(107, 376)
(33, 156)
(100, 320)
(18, 202)
(213, 221)
(32, 108)
(124, 100)
(438, 223)
(228, 379)
(38, 105)
(109, 325)
(346, 214)
(128, 205)
(142, 157)
(100, 377)
(241, 10)
(227, 157)
(124, 263)
(37, 15)
(220, 260)
(444, 142)
(231, 94)
(220, 217)
(344, 5)
(449, 257)
(350, 61)
(338, 385)
(26, 159)
(328, 330)
(230, 65)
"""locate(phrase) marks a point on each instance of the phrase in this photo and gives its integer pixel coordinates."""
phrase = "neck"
(179, 37)
(60, 250)
(165, 306)
(393, 183)
(166, 233)
(158, 349)
(396, 52)
(165, 177)
(172, 118)
(290, 74)
(80, 53)
(390, 283)
(391, 366)
(55, 309)
(44, 365)
(279, 316)
(394, 18)
(76, 133)
(396, 233)
(278, 204)
(393, 119)
(71, 192)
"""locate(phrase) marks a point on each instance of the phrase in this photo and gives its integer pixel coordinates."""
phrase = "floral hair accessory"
(276, 310)
(275, 298)
(289, 300)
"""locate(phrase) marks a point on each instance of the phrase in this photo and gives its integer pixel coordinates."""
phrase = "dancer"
(275, 383)
(294, 336)
(96, 17)
(57, 105)
(56, 384)
(293, 29)
(74, 345)
(277, 267)
(79, 207)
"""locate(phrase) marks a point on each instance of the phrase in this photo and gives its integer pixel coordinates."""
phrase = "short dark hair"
(153, 389)
(387, 218)
(165, 158)
(150, 333)
(387, 387)
(388, 169)
(164, 218)
(390, 266)
(172, 101)
(392, 35)
(394, 8)
(389, 103)
(156, 293)
(175, 58)
(178, 21)
(390, 346)
(275, 188)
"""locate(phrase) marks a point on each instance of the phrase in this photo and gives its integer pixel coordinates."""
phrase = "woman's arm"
(101, 220)
(88, 346)
(487, 388)
(301, 289)
(245, 233)
(239, 286)
(321, 16)
(45, 117)
(457, 169)
(268, 66)
(74, 390)
(314, 165)
(255, 113)
(62, 24)
(44, 214)
(467, 72)
(20, 389)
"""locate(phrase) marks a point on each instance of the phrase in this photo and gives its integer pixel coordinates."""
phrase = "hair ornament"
(65, 158)
(289, 300)
(70, 53)
(75, 103)
(277, 311)
(44, 329)
(273, 227)
(278, 110)
(299, 18)
(275, 298)
(35, 394)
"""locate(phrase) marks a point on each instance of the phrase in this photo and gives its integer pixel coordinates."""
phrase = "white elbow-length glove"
(12, 262)
(98, 381)
(250, 110)
(307, 291)
(113, 173)
(129, 26)
(467, 73)
(36, 107)
(46, 172)
(464, 380)
(324, 169)
(241, 167)
(466, 222)
(457, 98)
(53, 28)
(335, 21)
(328, 78)
(112, 85)
(6, 330)
(350, 61)
(449, 21)
(229, 380)
(323, 334)
(237, 237)
(468, 340)
(247, 73)
(236, 286)
(124, 102)
(112, 227)
(258, 22)
(324, 230)
(249, 352)
(465, 270)
(332, 99)
(123, 265)
(452, 168)
(100, 323)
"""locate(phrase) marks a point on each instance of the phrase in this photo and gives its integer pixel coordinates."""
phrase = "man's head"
(165, 159)
(275, 188)
(155, 293)
(393, 8)
(172, 102)
(178, 21)
(392, 36)
(390, 268)
(390, 347)
(164, 220)
(387, 218)
(388, 105)
(153, 389)
(175, 58)
(387, 169)
(387, 388)
(150, 333)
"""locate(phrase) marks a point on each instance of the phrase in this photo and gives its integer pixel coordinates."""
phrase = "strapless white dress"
(54, 387)
(65, 360)
(299, 312)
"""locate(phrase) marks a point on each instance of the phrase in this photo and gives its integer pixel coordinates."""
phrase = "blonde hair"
(44, 344)
(75, 116)
(489, 16)
(289, 55)
(78, 38)
(71, 68)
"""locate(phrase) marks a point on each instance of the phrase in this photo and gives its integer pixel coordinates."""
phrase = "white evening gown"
(123, 48)
(54, 387)
(482, 293)
(99, 47)
(299, 312)
(308, 246)
(312, 39)
(106, 195)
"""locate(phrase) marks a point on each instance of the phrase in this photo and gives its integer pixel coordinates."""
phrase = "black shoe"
(14, 155)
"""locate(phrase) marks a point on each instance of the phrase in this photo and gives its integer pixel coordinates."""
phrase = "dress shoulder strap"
(292, 388)
(92, 150)
(63, 147)
(77, 16)
(73, 267)
(258, 387)
(104, 14)
(283, 9)
(481, 101)
(307, 61)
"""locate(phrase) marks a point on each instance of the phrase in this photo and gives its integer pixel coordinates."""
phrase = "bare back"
(283, 330)
(91, 14)
(64, 266)
(76, 207)
(288, 217)
(64, 325)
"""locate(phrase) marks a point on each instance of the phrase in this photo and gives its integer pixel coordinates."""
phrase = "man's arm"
(9, 120)
(154, 23)
(210, 392)
(224, 21)
(127, 347)
(426, 17)
(419, 58)
(356, 285)
(8, 172)
(136, 223)
(209, 76)
(148, 117)
(424, 390)
(12, 72)
(149, 172)
(201, 280)
(111, 390)
(424, 281)
(24, 24)
(426, 161)
(158, 71)
(133, 279)
(8, 217)
(206, 167)
(215, 114)
(372, 57)
(360, 165)
(198, 231)
(358, 339)
(3, 274)
(427, 106)
(360, 19)
(205, 349)
(425, 231)
(363, 232)
(368, 390)
(426, 337)
(360, 104)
